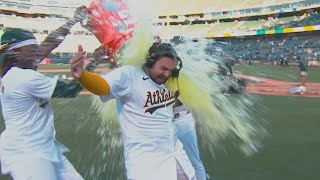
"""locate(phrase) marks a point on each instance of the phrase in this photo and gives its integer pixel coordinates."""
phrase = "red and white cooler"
(111, 23)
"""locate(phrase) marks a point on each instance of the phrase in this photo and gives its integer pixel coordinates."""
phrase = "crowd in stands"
(302, 21)
(203, 28)
(305, 46)
(292, 47)
(280, 8)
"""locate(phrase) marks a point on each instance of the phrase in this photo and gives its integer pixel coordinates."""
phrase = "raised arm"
(91, 81)
(55, 38)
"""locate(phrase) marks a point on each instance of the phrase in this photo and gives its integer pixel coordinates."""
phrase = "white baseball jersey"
(145, 113)
(184, 120)
(28, 117)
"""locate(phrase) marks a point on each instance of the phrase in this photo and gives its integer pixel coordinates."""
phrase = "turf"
(291, 151)
(290, 74)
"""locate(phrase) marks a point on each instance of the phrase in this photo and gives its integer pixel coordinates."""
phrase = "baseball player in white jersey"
(28, 148)
(145, 111)
(186, 133)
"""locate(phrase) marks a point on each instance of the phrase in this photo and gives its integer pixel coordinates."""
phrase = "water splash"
(219, 118)
(109, 153)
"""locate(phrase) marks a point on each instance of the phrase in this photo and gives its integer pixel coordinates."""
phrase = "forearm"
(91, 66)
(72, 89)
(58, 35)
(55, 38)
(94, 83)
(64, 90)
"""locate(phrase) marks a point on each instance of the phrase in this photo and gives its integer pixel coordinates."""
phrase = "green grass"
(62, 66)
(291, 74)
(53, 74)
(77, 125)
(58, 66)
(54, 66)
(291, 152)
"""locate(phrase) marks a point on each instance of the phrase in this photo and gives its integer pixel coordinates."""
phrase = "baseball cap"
(16, 38)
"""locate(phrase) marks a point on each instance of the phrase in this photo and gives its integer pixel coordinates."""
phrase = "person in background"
(186, 133)
(28, 147)
(303, 72)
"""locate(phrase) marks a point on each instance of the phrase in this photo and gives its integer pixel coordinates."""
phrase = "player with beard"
(145, 111)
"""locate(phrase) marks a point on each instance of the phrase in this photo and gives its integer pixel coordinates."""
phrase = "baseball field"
(290, 153)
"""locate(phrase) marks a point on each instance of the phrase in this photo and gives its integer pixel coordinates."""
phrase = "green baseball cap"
(15, 38)
(12, 39)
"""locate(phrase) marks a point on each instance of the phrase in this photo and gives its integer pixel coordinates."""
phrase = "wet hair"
(159, 50)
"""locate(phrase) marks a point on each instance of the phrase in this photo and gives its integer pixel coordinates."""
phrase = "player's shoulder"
(17, 76)
(33, 74)
(128, 68)
(26, 74)
(125, 71)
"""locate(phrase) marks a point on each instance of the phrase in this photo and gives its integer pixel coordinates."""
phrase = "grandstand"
(217, 7)
(208, 19)
(257, 8)
(241, 24)
(41, 27)
(271, 48)
(163, 7)
(41, 7)
(16, 16)
(265, 34)
(220, 28)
